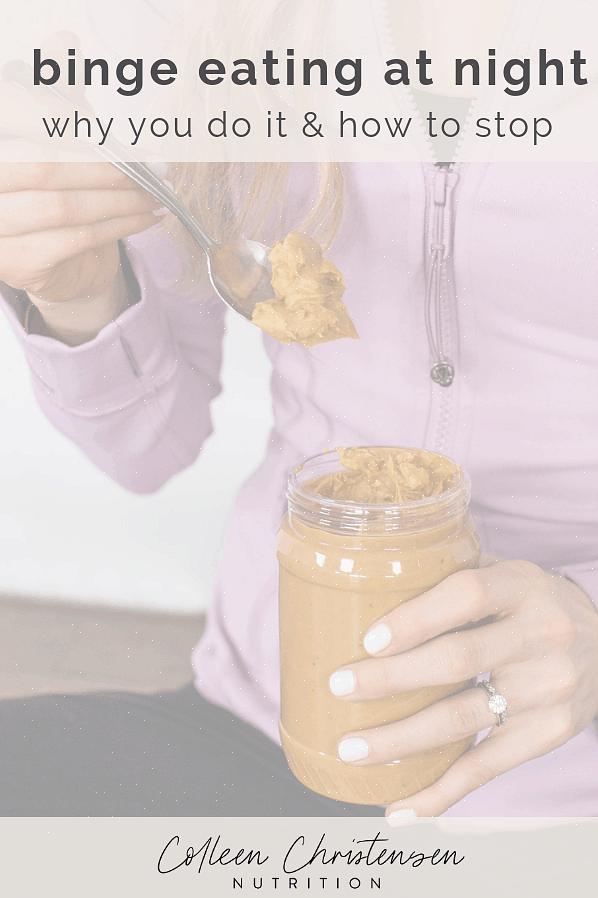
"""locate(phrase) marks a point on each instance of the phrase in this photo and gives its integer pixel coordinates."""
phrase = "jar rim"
(347, 514)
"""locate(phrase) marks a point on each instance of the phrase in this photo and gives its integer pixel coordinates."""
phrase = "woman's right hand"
(59, 227)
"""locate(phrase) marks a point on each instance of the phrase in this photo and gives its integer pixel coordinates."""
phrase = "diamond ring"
(497, 703)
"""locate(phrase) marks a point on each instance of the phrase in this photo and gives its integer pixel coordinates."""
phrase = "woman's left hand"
(538, 635)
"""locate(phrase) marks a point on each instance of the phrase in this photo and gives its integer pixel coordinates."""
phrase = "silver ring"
(497, 703)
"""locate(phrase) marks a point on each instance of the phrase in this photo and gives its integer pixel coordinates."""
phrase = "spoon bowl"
(239, 271)
(240, 274)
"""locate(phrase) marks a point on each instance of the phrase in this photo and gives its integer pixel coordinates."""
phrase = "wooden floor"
(50, 647)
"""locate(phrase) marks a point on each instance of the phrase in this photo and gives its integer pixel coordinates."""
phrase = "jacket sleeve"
(136, 399)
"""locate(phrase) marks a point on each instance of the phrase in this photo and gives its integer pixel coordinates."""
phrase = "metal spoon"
(239, 271)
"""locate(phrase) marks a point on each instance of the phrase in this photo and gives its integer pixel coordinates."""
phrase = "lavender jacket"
(514, 308)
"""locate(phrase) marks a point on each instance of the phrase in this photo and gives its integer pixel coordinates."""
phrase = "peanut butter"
(307, 307)
(357, 542)
(389, 476)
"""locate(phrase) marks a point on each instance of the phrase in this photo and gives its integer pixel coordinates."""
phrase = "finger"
(456, 601)
(49, 248)
(30, 211)
(462, 598)
(525, 687)
(448, 721)
(443, 661)
(522, 739)
(19, 176)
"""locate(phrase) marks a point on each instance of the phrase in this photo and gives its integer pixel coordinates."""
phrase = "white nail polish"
(342, 682)
(377, 639)
(160, 212)
(401, 817)
(353, 749)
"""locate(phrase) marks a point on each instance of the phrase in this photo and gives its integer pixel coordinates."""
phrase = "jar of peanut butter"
(366, 529)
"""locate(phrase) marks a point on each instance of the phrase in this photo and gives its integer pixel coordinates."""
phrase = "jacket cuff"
(129, 358)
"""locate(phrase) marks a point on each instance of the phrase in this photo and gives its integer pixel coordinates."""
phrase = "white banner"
(217, 857)
(349, 80)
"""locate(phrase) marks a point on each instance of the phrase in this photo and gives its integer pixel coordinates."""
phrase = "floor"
(51, 647)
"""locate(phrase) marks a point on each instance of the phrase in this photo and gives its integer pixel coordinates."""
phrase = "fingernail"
(160, 212)
(342, 682)
(353, 749)
(401, 817)
(377, 639)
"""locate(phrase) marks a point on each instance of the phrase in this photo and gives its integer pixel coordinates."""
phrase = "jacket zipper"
(440, 300)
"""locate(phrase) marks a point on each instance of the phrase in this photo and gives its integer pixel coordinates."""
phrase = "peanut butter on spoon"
(307, 307)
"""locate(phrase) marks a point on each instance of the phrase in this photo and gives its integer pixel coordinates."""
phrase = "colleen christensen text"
(305, 864)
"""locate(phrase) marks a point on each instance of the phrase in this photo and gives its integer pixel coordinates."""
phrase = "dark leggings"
(123, 754)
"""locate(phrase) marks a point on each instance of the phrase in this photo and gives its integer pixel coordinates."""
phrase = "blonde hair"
(252, 199)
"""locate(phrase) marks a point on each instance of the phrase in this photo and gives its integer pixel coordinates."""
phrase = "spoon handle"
(145, 178)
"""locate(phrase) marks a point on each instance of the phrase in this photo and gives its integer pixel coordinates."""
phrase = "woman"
(128, 373)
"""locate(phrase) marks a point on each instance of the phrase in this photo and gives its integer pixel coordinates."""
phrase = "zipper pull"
(443, 374)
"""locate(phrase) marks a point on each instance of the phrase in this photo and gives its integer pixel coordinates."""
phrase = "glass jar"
(343, 565)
